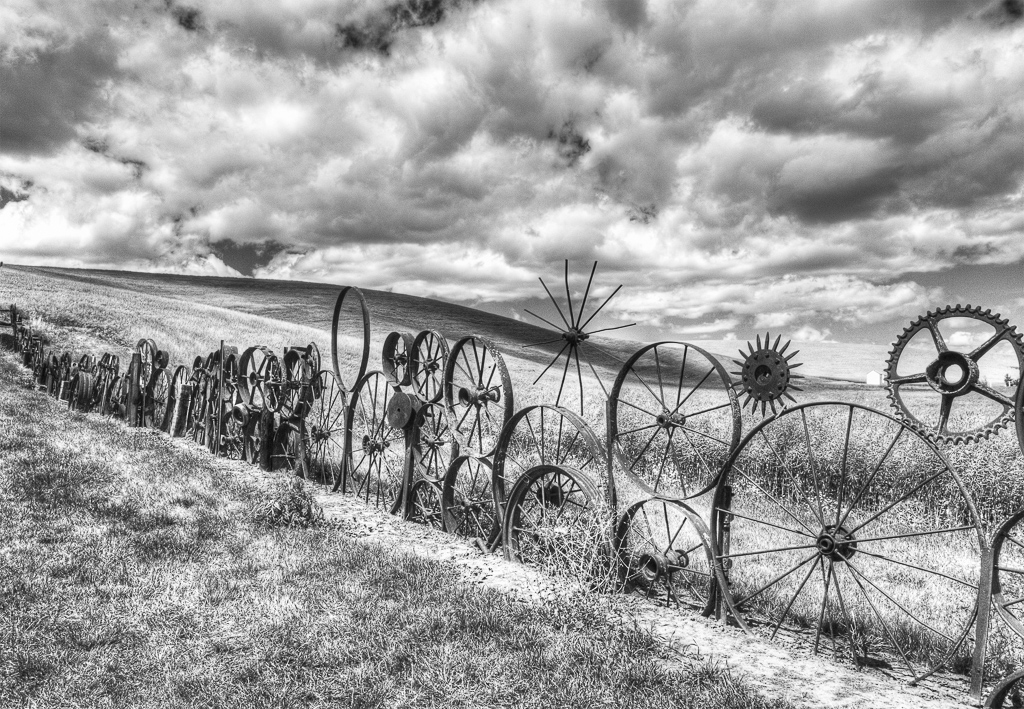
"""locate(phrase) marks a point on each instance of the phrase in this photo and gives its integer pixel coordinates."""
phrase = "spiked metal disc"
(766, 374)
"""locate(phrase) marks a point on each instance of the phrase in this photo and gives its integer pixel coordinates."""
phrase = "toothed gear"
(950, 389)
(766, 374)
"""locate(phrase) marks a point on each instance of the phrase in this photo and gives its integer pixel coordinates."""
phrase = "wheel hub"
(952, 373)
(574, 336)
(374, 445)
(478, 396)
(551, 495)
(654, 566)
(668, 419)
(837, 543)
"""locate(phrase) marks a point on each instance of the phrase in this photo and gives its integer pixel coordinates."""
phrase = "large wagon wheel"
(178, 398)
(477, 394)
(260, 379)
(158, 400)
(467, 502)
(298, 390)
(429, 356)
(665, 552)
(350, 337)
(547, 435)
(147, 350)
(842, 528)
(437, 447)
(376, 473)
(1008, 572)
(674, 418)
(323, 431)
(425, 504)
(396, 358)
(555, 519)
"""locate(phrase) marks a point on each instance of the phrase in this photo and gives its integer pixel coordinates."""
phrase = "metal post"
(215, 447)
(981, 626)
(134, 368)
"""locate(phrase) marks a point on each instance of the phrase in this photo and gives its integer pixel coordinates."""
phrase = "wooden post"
(134, 368)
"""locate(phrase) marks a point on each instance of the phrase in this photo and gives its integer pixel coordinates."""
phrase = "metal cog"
(766, 374)
(949, 389)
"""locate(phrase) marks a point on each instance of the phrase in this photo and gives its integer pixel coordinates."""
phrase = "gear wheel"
(766, 374)
(949, 388)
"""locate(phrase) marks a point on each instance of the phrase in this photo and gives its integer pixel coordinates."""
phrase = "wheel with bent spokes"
(842, 528)
(425, 504)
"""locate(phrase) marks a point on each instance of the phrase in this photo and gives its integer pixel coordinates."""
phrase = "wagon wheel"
(467, 503)
(477, 394)
(350, 337)
(396, 358)
(119, 397)
(1008, 693)
(80, 387)
(222, 397)
(286, 451)
(177, 401)
(378, 450)
(195, 420)
(429, 355)
(63, 392)
(147, 350)
(323, 431)
(258, 438)
(437, 448)
(1008, 572)
(158, 400)
(950, 377)
(39, 368)
(674, 418)
(52, 374)
(555, 520)
(546, 435)
(232, 437)
(99, 390)
(260, 379)
(298, 392)
(849, 532)
(664, 552)
(425, 504)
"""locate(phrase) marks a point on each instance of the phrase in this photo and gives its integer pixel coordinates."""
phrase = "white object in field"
(874, 378)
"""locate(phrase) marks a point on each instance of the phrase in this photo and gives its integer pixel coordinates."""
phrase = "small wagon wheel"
(376, 473)
(119, 397)
(467, 503)
(429, 355)
(260, 379)
(555, 520)
(396, 358)
(298, 390)
(195, 421)
(81, 391)
(158, 400)
(41, 364)
(477, 394)
(664, 552)
(350, 337)
(437, 447)
(258, 437)
(323, 431)
(546, 435)
(147, 350)
(674, 419)
(313, 358)
(178, 400)
(1008, 693)
(52, 374)
(1008, 572)
(425, 504)
(844, 529)
(286, 451)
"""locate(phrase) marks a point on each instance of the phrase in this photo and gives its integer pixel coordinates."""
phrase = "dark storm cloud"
(47, 93)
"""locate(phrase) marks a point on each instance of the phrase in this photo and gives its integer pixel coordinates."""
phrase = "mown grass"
(135, 573)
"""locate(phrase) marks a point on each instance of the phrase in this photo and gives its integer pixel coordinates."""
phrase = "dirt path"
(776, 670)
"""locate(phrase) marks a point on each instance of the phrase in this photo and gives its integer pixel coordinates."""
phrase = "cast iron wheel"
(437, 446)
(260, 379)
(376, 473)
(286, 452)
(158, 399)
(477, 394)
(323, 431)
(429, 356)
(467, 503)
(350, 337)
(674, 419)
(396, 358)
(845, 530)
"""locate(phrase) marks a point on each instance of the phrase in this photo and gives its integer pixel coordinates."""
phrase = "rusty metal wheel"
(258, 437)
(158, 409)
(467, 502)
(1008, 694)
(555, 519)
(437, 447)
(377, 469)
(298, 394)
(547, 435)
(260, 379)
(922, 390)
(664, 552)
(674, 418)
(323, 431)
(396, 358)
(147, 350)
(350, 337)
(119, 397)
(429, 356)
(1008, 572)
(286, 452)
(195, 420)
(477, 394)
(81, 386)
(843, 529)
(425, 504)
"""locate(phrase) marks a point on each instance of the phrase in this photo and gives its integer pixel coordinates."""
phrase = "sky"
(827, 170)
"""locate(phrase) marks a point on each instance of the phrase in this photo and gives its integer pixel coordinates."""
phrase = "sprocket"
(766, 374)
(953, 373)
